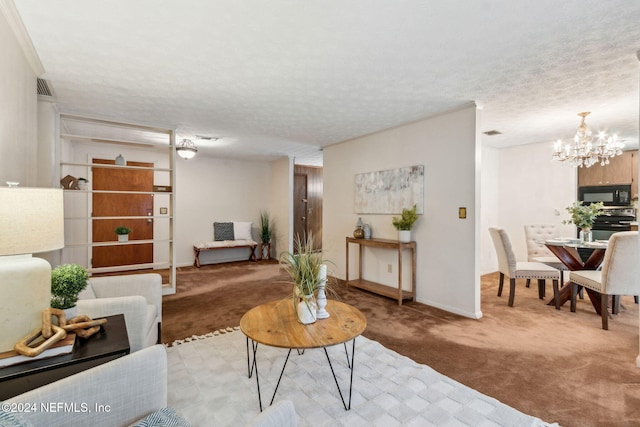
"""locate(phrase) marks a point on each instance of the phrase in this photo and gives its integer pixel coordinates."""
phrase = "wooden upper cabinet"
(621, 169)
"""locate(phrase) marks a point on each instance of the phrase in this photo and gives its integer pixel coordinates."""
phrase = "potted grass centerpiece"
(304, 268)
(583, 216)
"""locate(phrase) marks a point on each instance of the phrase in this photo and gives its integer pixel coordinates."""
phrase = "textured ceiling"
(287, 77)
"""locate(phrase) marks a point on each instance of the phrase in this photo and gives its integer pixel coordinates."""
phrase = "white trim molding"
(8, 9)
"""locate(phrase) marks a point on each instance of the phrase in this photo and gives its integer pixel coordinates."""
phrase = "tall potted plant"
(583, 217)
(304, 268)
(266, 234)
(404, 223)
(67, 281)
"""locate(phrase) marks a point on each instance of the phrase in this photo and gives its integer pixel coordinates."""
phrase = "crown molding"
(8, 9)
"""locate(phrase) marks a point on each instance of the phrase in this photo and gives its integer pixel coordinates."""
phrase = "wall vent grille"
(43, 88)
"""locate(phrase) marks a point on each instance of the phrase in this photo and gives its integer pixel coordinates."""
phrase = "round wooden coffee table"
(275, 324)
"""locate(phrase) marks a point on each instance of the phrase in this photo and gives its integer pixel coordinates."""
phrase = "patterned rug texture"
(209, 386)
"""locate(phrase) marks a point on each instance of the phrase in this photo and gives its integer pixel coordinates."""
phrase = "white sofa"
(117, 393)
(137, 296)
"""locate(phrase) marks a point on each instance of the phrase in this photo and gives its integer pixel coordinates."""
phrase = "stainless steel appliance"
(613, 220)
(610, 195)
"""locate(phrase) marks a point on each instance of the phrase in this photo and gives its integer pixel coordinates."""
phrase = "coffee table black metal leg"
(252, 366)
(350, 363)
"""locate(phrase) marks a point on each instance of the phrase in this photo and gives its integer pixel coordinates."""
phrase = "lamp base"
(25, 286)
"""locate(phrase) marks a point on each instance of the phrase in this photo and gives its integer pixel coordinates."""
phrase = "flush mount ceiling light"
(186, 149)
(585, 150)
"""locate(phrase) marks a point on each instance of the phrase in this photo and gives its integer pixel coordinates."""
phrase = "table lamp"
(31, 221)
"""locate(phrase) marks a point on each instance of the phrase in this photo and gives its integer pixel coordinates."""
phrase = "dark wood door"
(299, 206)
(308, 185)
(122, 204)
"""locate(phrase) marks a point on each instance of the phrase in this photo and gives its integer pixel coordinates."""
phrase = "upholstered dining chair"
(509, 266)
(537, 251)
(620, 273)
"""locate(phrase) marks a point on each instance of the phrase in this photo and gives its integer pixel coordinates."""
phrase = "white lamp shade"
(32, 220)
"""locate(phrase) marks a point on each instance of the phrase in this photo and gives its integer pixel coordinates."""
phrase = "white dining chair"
(510, 267)
(620, 273)
(537, 251)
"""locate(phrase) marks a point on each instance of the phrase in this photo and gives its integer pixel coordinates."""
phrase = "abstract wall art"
(389, 191)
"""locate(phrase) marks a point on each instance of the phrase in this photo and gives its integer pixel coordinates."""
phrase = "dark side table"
(110, 343)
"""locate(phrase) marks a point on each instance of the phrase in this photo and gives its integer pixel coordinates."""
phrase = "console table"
(110, 343)
(378, 288)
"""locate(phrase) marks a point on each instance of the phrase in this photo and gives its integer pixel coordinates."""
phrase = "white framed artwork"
(389, 191)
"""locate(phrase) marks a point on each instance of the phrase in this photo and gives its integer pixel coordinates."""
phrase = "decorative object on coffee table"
(321, 311)
(303, 267)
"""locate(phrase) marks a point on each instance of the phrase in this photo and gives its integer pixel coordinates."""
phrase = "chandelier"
(585, 150)
(186, 149)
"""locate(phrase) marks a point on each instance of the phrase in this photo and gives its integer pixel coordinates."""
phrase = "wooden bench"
(224, 244)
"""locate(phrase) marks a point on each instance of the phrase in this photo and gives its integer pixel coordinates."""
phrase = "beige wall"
(281, 203)
(209, 190)
(447, 266)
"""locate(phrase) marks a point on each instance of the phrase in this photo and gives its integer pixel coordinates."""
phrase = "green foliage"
(406, 221)
(584, 216)
(266, 227)
(67, 281)
(122, 230)
(304, 266)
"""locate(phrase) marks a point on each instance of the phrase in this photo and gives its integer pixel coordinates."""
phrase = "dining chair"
(620, 274)
(510, 267)
(537, 251)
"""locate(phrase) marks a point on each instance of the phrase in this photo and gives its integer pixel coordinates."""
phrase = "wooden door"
(313, 194)
(118, 205)
(299, 206)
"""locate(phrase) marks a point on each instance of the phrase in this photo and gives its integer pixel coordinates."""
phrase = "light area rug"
(209, 386)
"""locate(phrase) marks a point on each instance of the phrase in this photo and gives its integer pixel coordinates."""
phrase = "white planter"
(123, 237)
(404, 236)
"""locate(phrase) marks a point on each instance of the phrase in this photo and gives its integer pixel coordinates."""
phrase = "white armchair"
(137, 296)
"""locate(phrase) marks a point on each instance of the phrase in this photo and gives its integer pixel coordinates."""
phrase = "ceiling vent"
(43, 88)
(492, 132)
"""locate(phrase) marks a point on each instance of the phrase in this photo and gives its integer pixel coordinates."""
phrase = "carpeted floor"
(555, 365)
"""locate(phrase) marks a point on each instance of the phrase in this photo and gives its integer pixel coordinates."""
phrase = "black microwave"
(610, 195)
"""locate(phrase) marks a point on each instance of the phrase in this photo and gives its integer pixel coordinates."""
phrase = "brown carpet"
(555, 365)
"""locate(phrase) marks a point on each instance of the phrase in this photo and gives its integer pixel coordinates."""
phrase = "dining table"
(568, 252)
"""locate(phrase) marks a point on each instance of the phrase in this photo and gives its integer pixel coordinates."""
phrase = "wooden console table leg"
(346, 274)
(400, 275)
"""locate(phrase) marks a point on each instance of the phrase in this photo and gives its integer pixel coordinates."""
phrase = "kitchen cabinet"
(621, 169)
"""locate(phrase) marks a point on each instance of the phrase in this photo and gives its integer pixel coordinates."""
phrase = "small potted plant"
(304, 268)
(266, 233)
(404, 223)
(583, 217)
(67, 281)
(123, 233)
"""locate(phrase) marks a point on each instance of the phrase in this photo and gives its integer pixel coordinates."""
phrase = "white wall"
(489, 210)
(447, 262)
(532, 189)
(209, 190)
(18, 110)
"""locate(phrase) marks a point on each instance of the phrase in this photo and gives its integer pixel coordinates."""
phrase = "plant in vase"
(583, 217)
(404, 223)
(304, 267)
(266, 233)
(67, 281)
(123, 233)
